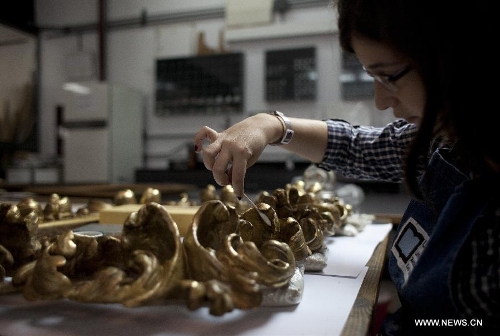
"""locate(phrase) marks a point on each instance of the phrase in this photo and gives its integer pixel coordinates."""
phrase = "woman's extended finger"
(205, 133)
(237, 174)
(209, 153)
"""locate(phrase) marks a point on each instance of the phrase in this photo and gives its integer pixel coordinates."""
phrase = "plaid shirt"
(368, 153)
(377, 153)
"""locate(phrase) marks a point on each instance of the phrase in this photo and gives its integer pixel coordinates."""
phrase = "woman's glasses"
(389, 81)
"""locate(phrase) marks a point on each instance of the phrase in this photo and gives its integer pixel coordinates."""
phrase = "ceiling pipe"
(146, 19)
(102, 39)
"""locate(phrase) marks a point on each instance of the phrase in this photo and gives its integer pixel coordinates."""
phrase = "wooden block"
(91, 218)
(182, 215)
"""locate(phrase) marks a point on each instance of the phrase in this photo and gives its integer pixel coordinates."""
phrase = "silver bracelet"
(287, 129)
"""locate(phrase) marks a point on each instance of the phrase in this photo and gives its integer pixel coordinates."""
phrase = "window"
(291, 74)
(211, 84)
(355, 83)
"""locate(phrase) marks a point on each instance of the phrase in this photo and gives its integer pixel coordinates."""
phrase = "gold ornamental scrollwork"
(230, 258)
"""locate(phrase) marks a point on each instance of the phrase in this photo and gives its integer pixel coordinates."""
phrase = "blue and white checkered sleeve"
(368, 153)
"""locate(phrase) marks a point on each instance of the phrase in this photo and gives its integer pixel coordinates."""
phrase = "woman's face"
(397, 84)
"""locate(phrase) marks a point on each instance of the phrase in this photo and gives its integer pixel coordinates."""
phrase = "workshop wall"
(163, 29)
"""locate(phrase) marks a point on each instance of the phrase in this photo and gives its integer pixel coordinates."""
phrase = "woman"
(431, 67)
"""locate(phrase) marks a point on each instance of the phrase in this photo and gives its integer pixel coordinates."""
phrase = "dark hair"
(450, 44)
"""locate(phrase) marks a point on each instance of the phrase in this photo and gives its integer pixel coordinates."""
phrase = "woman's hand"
(232, 151)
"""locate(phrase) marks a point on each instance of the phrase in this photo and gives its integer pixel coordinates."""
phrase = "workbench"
(332, 304)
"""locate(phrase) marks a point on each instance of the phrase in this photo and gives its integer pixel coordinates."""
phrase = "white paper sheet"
(347, 256)
(324, 309)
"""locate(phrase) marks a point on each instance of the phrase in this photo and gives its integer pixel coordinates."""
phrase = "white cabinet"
(102, 133)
